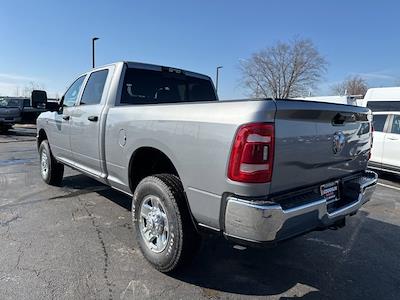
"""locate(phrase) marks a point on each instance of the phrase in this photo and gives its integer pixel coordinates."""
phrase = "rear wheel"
(163, 228)
(52, 172)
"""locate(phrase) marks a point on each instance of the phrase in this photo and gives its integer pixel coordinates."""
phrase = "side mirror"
(39, 99)
(60, 105)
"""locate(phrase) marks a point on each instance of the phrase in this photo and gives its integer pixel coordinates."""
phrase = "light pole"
(93, 40)
(216, 79)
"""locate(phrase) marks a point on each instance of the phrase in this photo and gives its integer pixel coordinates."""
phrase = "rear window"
(384, 105)
(379, 122)
(151, 87)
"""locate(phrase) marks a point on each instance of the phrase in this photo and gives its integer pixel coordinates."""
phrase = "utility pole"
(93, 40)
(216, 79)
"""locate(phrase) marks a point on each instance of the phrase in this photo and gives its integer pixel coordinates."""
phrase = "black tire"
(5, 128)
(183, 240)
(55, 170)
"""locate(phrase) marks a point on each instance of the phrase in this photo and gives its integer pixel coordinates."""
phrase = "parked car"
(10, 112)
(254, 171)
(385, 155)
(382, 99)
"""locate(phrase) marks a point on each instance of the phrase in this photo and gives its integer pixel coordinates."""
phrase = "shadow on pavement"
(360, 261)
(19, 131)
(84, 183)
(22, 132)
(388, 176)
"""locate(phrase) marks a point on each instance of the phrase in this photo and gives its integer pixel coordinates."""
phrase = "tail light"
(252, 154)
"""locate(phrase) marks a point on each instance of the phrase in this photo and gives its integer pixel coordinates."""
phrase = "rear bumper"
(265, 222)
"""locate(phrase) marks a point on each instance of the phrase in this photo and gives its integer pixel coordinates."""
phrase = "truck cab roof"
(148, 66)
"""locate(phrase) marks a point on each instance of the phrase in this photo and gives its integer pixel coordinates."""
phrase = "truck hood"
(6, 112)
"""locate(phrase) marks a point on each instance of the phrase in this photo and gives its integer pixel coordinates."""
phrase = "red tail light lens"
(252, 154)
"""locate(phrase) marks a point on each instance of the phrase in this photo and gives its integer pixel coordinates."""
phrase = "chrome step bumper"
(264, 222)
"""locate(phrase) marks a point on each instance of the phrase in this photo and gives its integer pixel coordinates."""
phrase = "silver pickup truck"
(255, 171)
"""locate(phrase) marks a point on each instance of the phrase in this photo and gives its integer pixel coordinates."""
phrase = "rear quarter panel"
(197, 138)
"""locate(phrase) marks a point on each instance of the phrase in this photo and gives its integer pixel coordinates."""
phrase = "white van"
(382, 99)
(385, 154)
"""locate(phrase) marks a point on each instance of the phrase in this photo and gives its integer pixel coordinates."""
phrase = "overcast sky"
(49, 42)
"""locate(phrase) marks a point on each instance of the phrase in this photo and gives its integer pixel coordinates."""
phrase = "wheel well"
(148, 161)
(41, 137)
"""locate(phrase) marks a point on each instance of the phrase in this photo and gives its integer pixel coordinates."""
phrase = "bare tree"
(17, 91)
(353, 85)
(27, 90)
(284, 70)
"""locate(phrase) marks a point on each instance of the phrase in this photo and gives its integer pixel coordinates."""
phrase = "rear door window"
(151, 87)
(379, 122)
(94, 88)
(396, 124)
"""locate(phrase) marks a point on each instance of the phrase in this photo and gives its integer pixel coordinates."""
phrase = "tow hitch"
(338, 224)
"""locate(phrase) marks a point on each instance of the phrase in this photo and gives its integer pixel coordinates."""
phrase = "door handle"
(93, 118)
(393, 139)
(66, 118)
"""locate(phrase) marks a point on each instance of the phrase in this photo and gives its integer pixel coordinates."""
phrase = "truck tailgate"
(318, 142)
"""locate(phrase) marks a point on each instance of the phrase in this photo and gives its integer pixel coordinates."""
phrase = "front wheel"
(5, 128)
(163, 228)
(52, 172)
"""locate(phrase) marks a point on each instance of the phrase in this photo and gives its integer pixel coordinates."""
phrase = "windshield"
(4, 102)
(151, 87)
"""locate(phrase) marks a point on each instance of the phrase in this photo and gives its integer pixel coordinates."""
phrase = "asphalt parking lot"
(75, 242)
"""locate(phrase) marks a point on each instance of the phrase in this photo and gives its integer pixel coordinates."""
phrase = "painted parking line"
(389, 186)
